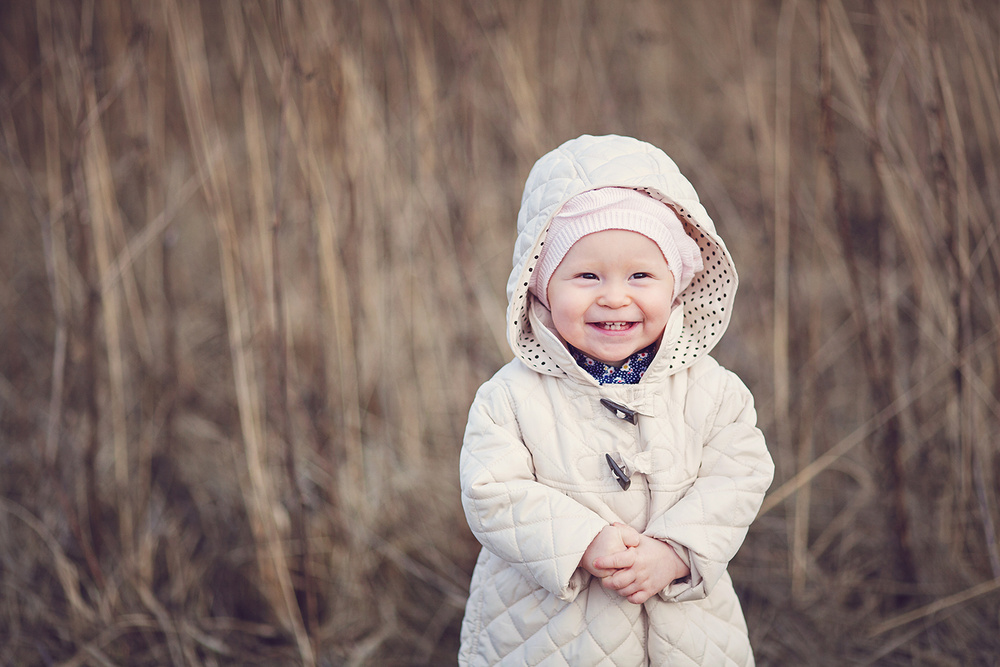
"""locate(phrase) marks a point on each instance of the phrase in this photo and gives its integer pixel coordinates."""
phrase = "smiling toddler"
(605, 276)
(612, 469)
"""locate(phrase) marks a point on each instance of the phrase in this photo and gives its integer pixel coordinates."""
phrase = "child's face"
(611, 295)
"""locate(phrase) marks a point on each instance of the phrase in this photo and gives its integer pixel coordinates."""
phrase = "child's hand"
(613, 539)
(640, 573)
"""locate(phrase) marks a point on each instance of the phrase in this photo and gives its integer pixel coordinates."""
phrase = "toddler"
(611, 470)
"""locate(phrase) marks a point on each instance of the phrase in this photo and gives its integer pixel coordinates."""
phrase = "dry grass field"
(252, 262)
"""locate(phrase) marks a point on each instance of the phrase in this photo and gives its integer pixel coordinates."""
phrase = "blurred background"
(252, 269)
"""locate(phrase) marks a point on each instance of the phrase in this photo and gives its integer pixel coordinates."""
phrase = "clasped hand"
(634, 565)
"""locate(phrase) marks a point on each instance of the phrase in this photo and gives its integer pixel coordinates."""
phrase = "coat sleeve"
(708, 524)
(539, 530)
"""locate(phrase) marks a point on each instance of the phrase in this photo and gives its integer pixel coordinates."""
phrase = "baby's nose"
(614, 295)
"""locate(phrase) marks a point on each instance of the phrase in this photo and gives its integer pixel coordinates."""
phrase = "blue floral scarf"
(628, 373)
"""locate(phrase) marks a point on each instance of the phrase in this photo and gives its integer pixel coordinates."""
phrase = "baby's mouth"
(613, 326)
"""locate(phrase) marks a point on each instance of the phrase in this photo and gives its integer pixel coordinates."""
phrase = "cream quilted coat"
(536, 485)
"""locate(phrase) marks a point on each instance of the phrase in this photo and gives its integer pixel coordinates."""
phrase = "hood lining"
(707, 300)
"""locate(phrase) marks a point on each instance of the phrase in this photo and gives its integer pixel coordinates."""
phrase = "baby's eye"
(640, 275)
(588, 276)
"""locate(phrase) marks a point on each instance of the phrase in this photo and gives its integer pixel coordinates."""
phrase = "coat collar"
(553, 357)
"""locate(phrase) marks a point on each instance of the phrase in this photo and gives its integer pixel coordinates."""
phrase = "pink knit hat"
(617, 208)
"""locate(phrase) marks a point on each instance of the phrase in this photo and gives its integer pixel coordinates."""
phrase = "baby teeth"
(614, 326)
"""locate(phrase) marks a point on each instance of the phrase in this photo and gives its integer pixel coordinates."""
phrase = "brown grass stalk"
(984, 588)
(342, 372)
(101, 199)
(782, 280)
(269, 218)
(955, 196)
(53, 235)
(185, 30)
(56, 269)
(859, 436)
(67, 573)
(881, 372)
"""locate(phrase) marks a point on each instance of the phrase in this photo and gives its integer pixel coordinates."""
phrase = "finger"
(619, 580)
(628, 583)
(638, 597)
(609, 583)
(627, 591)
(617, 560)
(630, 536)
(634, 592)
(603, 573)
(604, 563)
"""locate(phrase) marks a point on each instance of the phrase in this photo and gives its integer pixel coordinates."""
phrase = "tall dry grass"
(252, 258)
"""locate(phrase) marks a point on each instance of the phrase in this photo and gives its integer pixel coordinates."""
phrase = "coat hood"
(590, 162)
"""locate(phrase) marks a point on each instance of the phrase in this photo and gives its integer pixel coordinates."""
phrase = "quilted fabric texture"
(536, 487)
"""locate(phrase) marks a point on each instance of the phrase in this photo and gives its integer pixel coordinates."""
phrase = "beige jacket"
(536, 485)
